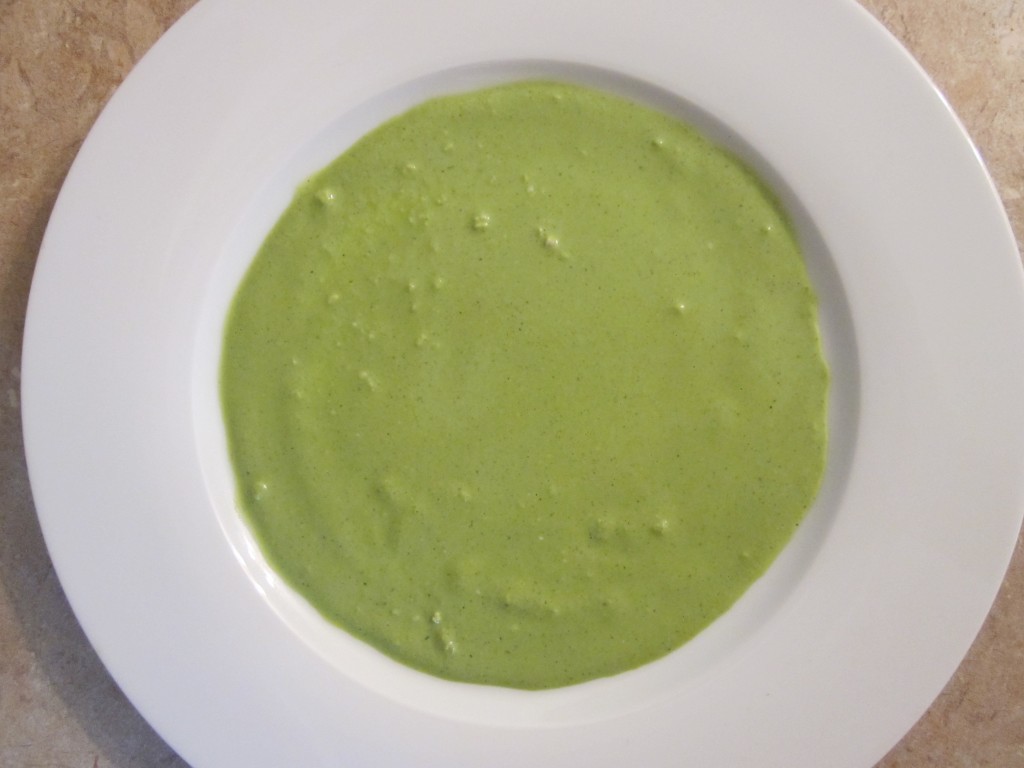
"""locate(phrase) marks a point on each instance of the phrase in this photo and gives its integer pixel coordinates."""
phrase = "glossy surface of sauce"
(526, 388)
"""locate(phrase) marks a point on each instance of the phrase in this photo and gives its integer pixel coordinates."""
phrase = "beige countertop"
(60, 60)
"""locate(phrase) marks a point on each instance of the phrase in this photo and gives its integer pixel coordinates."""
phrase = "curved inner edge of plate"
(597, 699)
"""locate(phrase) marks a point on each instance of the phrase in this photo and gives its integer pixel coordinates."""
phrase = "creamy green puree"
(526, 387)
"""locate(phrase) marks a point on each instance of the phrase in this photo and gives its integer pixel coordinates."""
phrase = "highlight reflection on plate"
(862, 619)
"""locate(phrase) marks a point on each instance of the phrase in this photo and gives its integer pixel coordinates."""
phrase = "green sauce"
(526, 388)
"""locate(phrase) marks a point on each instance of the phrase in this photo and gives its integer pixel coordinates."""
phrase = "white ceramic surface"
(826, 661)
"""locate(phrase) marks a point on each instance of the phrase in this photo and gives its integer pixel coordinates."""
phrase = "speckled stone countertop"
(60, 60)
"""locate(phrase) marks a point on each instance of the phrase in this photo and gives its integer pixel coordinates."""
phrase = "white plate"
(826, 661)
